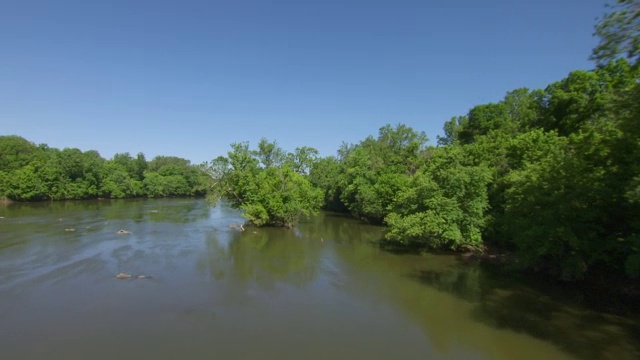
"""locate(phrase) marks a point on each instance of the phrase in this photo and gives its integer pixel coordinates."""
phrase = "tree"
(135, 167)
(159, 162)
(157, 185)
(269, 153)
(377, 168)
(15, 152)
(177, 177)
(140, 166)
(619, 33)
(482, 119)
(560, 206)
(444, 204)
(154, 185)
(118, 183)
(303, 159)
(272, 194)
(327, 174)
(452, 130)
(282, 197)
(26, 185)
(4, 184)
(584, 97)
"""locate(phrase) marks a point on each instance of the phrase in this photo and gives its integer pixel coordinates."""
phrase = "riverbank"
(601, 288)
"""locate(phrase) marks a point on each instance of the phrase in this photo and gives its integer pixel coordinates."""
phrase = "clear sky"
(188, 78)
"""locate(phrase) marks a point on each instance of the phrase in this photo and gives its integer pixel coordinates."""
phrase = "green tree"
(584, 97)
(452, 130)
(154, 185)
(518, 112)
(160, 162)
(303, 159)
(117, 182)
(270, 154)
(281, 198)
(560, 207)
(140, 165)
(4, 184)
(15, 152)
(73, 174)
(443, 205)
(619, 33)
(270, 194)
(26, 185)
(482, 119)
(134, 167)
(377, 168)
(327, 174)
(180, 178)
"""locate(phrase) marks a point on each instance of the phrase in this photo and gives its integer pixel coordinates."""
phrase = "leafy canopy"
(269, 185)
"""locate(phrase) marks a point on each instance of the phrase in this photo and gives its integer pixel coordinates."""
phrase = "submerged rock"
(123, 276)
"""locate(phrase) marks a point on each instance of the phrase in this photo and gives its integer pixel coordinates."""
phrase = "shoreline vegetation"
(30, 172)
(549, 176)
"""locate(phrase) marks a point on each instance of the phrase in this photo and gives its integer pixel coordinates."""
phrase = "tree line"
(30, 172)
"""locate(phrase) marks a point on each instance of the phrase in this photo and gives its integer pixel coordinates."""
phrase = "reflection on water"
(323, 290)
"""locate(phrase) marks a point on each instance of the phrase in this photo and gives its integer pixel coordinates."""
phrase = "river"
(201, 289)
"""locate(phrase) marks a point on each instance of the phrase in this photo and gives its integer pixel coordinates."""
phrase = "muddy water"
(324, 290)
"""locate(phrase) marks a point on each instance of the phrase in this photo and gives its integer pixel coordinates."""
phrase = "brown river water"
(324, 290)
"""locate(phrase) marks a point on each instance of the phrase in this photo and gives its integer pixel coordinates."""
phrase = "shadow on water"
(340, 228)
(272, 255)
(566, 317)
(264, 256)
(399, 249)
(560, 315)
(347, 216)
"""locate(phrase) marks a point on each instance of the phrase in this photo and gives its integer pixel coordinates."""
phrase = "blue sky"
(188, 78)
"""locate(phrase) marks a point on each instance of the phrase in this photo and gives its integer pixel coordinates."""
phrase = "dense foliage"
(270, 186)
(443, 205)
(30, 172)
(551, 174)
